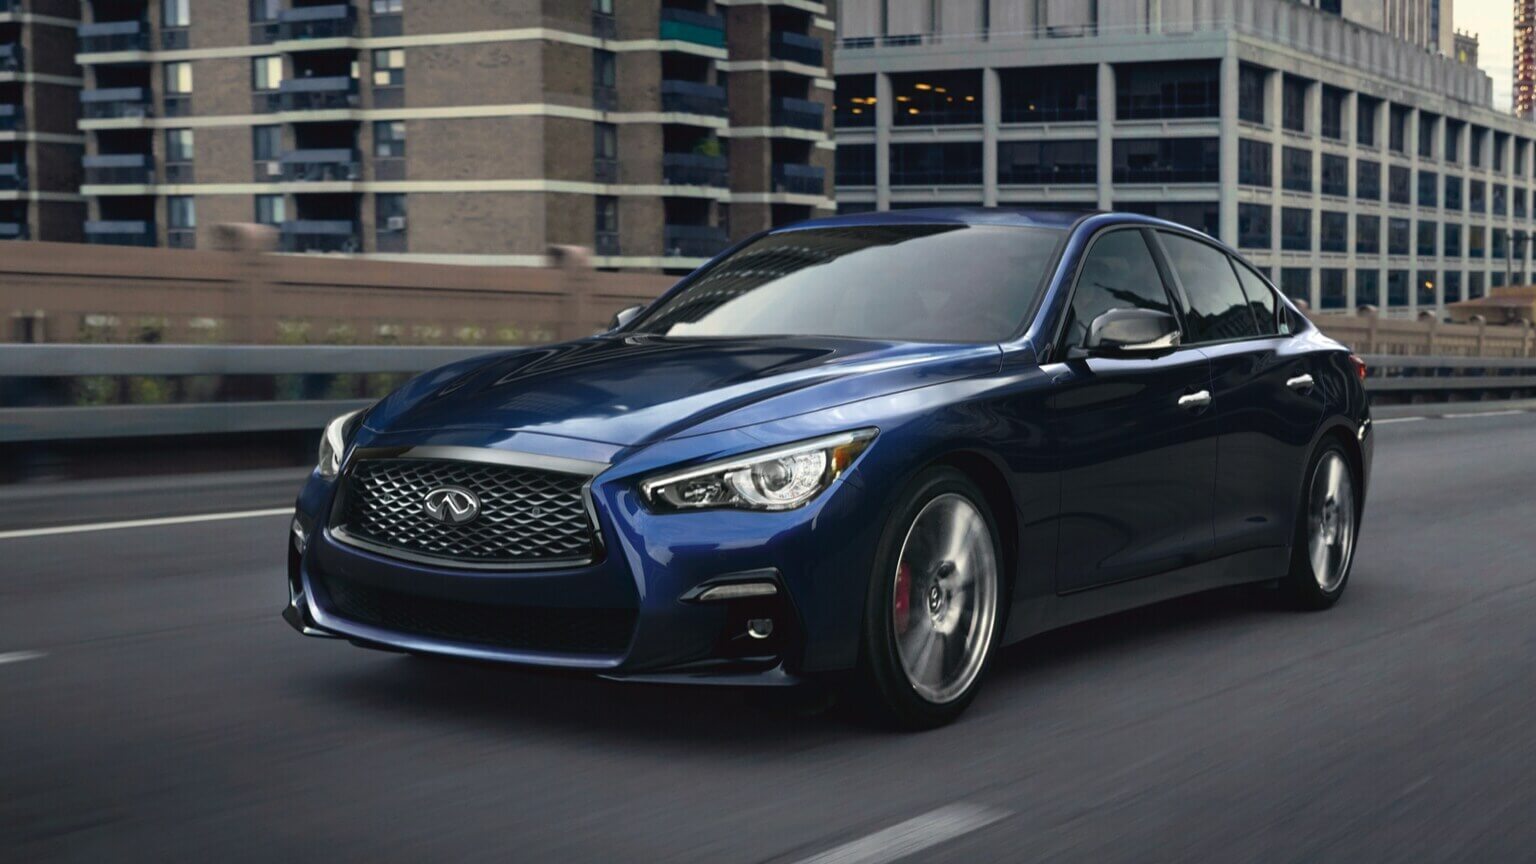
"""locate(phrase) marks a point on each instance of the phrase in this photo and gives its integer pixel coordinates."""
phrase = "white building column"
(1226, 208)
(1411, 144)
(1314, 103)
(991, 118)
(1274, 117)
(1106, 131)
(1352, 211)
(884, 107)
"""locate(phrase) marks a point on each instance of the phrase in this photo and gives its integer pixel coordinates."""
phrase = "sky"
(1493, 22)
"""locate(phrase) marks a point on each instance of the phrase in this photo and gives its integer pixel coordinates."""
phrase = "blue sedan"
(873, 448)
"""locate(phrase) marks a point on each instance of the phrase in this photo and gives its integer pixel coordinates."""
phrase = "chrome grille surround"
(536, 511)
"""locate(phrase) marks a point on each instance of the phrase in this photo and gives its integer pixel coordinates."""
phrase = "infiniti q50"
(874, 447)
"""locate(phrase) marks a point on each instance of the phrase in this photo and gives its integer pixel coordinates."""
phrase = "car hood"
(628, 390)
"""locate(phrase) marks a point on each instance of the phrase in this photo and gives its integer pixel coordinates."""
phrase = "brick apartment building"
(40, 146)
(470, 131)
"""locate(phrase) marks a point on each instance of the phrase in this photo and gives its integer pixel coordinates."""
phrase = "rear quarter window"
(1266, 310)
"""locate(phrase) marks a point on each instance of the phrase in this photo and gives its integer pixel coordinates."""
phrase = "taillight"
(1359, 366)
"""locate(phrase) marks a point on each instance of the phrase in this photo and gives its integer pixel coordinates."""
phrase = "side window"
(1218, 309)
(1262, 301)
(1119, 272)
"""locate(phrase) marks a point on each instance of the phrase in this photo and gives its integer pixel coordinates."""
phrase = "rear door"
(1138, 456)
(1265, 396)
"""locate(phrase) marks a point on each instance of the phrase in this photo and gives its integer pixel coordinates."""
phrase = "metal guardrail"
(1393, 378)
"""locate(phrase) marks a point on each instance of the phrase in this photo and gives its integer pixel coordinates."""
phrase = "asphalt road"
(154, 708)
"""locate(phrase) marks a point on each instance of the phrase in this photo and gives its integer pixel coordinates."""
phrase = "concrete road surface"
(154, 708)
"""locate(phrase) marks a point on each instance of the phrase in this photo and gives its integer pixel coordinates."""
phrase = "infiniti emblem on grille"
(451, 505)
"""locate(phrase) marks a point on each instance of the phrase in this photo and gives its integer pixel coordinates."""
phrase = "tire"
(924, 600)
(1327, 531)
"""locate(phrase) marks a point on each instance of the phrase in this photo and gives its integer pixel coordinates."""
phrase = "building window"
(605, 152)
(1428, 231)
(1296, 229)
(181, 212)
(855, 165)
(178, 79)
(389, 139)
(1397, 129)
(1500, 243)
(1426, 135)
(605, 77)
(1367, 180)
(1522, 151)
(175, 13)
(855, 100)
(937, 98)
(1041, 162)
(387, 7)
(1157, 91)
(1477, 241)
(1429, 184)
(266, 143)
(1520, 199)
(1250, 88)
(1296, 169)
(1334, 230)
(1254, 166)
(1365, 120)
(266, 73)
(1397, 288)
(1453, 140)
(1474, 285)
(1398, 242)
(1296, 283)
(1452, 286)
(1426, 288)
(1069, 93)
(1500, 199)
(1166, 160)
(1203, 216)
(1335, 175)
(265, 10)
(1398, 189)
(1333, 113)
(1477, 197)
(389, 67)
(1367, 235)
(936, 164)
(606, 228)
(270, 210)
(178, 145)
(1452, 192)
(1253, 226)
(389, 221)
(1475, 146)
(1331, 291)
(1368, 287)
(1499, 140)
(1452, 240)
(1293, 93)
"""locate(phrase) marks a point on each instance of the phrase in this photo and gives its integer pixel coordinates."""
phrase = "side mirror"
(1132, 331)
(624, 316)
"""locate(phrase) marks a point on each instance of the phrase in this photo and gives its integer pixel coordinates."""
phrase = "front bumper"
(635, 612)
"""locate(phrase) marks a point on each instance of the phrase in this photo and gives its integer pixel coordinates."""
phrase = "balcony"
(114, 103)
(320, 235)
(13, 231)
(339, 165)
(799, 179)
(108, 169)
(796, 48)
(13, 176)
(700, 28)
(691, 169)
(798, 114)
(335, 21)
(693, 241)
(120, 232)
(104, 36)
(317, 94)
(691, 97)
(13, 118)
(12, 58)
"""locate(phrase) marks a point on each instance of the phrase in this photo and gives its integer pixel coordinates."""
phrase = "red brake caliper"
(903, 604)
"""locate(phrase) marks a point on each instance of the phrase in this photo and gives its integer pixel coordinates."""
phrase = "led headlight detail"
(779, 479)
(334, 442)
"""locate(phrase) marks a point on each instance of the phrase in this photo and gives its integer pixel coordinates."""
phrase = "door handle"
(1300, 382)
(1199, 399)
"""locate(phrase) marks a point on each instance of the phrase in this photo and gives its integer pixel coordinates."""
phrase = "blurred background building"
(40, 145)
(458, 131)
(1339, 144)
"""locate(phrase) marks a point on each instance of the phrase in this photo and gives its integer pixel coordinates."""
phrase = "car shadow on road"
(518, 702)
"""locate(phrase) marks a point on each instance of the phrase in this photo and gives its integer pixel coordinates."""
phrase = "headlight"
(779, 479)
(334, 442)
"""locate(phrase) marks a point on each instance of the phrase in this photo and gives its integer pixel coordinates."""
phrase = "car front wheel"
(934, 599)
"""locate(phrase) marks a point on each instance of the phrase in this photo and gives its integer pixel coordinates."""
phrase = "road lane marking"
(143, 523)
(1483, 414)
(1397, 420)
(20, 656)
(911, 836)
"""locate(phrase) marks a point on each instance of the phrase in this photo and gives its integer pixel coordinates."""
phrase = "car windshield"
(920, 283)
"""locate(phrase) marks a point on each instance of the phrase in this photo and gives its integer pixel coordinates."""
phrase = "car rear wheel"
(934, 600)
(1327, 523)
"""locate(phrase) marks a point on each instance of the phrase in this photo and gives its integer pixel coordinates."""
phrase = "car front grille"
(516, 628)
(527, 516)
